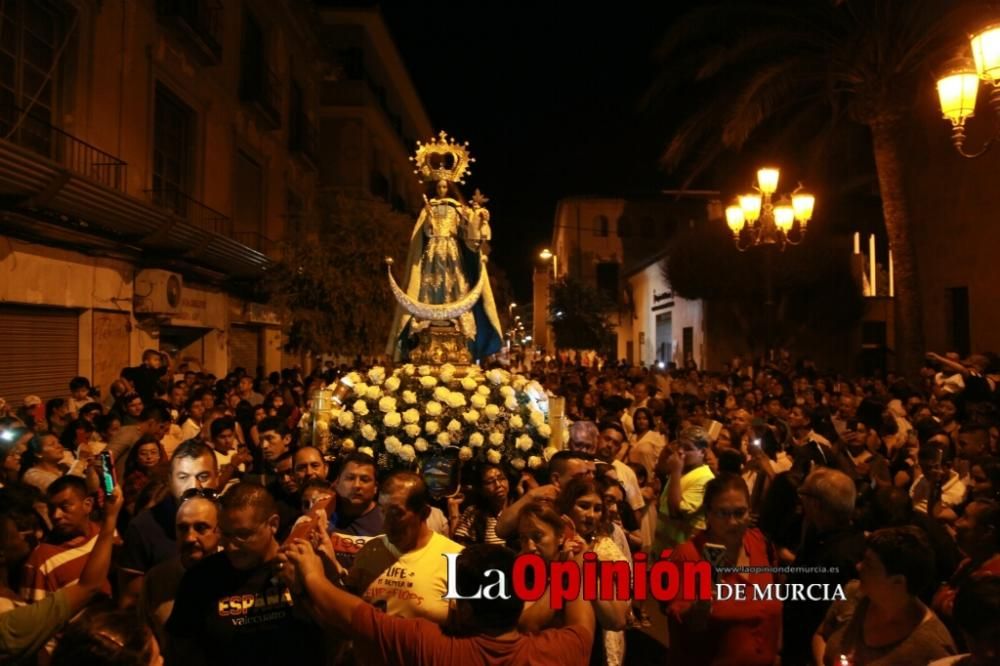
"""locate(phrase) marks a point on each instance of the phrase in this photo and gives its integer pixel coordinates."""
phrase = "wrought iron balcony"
(192, 210)
(199, 22)
(256, 241)
(38, 135)
(263, 91)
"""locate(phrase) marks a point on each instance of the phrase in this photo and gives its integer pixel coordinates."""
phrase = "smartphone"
(715, 554)
(107, 473)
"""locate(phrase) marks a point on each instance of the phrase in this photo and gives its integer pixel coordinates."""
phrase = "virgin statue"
(446, 259)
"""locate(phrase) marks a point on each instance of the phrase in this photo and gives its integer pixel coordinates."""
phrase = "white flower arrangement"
(421, 411)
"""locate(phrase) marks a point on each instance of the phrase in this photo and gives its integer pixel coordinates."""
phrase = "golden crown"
(442, 158)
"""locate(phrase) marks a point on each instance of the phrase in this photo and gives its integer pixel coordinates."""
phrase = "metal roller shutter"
(244, 348)
(39, 350)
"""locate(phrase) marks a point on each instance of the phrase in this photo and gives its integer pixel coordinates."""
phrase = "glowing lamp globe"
(767, 180)
(986, 52)
(957, 90)
(784, 217)
(750, 203)
(734, 218)
(802, 205)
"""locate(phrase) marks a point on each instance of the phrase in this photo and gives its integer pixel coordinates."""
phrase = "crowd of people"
(225, 541)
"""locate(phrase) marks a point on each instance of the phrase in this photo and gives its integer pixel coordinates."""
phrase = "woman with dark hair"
(116, 638)
(56, 415)
(477, 524)
(42, 462)
(883, 621)
(146, 460)
(582, 501)
(723, 631)
(645, 444)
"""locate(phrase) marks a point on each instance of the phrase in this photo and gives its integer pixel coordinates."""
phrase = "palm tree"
(804, 73)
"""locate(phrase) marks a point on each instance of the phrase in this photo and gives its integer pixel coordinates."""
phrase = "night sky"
(549, 101)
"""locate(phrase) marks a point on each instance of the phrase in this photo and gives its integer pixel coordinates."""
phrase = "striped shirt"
(52, 566)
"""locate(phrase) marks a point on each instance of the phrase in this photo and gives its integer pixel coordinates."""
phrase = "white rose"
(420, 444)
(424, 370)
(549, 452)
(367, 450)
(465, 453)
(409, 369)
(441, 393)
(456, 400)
(524, 442)
(545, 430)
(346, 419)
(492, 411)
(493, 456)
(433, 408)
(392, 384)
(444, 439)
(517, 463)
(516, 422)
(496, 376)
(361, 389)
(322, 425)
(428, 382)
(406, 453)
(506, 391)
(483, 391)
(496, 438)
(471, 416)
(534, 462)
(447, 368)
(386, 405)
(431, 427)
(374, 393)
(536, 389)
(454, 426)
(409, 397)
(468, 383)
(510, 403)
(446, 377)
(536, 418)
(360, 408)
(478, 401)
(411, 416)
(412, 430)
(353, 378)
(392, 420)
(346, 445)
(368, 432)
(376, 375)
(476, 439)
(392, 444)
(519, 383)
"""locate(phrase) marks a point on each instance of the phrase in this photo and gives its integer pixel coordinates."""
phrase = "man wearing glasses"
(231, 608)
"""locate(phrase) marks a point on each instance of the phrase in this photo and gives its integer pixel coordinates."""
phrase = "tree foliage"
(332, 280)
(814, 285)
(579, 315)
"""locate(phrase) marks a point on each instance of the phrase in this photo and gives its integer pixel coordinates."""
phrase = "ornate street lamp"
(958, 85)
(758, 222)
(755, 220)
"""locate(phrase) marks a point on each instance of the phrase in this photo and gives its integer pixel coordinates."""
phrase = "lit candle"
(557, 420)
(857, 242)
(892, 280)
(871, 263)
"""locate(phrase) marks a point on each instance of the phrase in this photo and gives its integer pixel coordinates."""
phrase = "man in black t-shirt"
(231, 608)
(358, 517)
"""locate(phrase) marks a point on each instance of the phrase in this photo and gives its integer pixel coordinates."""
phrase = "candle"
(557, 420)
(871, 264)
(857, 242)
(892, 280)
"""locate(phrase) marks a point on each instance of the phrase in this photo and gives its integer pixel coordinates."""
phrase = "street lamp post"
(958, 86)
(547, 254)
(758, 222)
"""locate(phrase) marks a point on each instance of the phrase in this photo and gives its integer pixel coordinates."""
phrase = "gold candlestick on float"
(557, 421)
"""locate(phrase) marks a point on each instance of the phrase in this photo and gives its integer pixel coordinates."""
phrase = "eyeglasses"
(494, 480)
(205, 493)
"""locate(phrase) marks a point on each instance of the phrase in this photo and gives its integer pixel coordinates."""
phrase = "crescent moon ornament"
(442, 311)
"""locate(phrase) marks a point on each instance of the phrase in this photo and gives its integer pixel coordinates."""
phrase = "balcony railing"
(192, 210)
(39, 136)
(263, 91)
(255, 240)
(200, 22)
(302, 138)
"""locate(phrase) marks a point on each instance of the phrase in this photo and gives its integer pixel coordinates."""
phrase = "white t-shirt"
(952, 492)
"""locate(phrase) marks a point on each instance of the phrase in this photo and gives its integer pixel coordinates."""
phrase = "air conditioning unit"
(157, 292)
